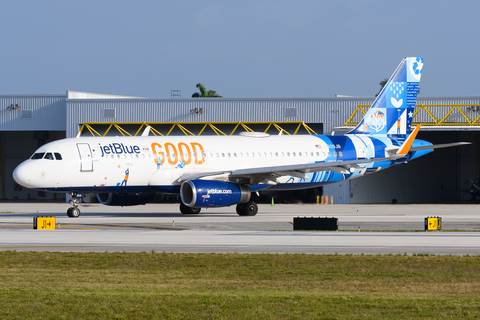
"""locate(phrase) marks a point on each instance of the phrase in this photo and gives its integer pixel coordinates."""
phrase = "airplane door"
(86, 160)
(359, 148)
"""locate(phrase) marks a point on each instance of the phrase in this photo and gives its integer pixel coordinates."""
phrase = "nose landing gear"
(73, 212)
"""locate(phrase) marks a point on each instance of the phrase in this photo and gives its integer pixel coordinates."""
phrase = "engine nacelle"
(127, 199)
(209, 193)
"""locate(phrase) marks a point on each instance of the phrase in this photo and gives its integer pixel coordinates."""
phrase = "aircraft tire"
(249, 208)
(73, 212)
(189, 210)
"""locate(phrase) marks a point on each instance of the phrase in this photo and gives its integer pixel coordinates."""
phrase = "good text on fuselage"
(180, 153)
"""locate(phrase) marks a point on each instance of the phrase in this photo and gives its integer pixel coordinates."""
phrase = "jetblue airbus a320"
(223, 171)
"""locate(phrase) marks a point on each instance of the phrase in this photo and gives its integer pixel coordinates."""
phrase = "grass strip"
(45, 285)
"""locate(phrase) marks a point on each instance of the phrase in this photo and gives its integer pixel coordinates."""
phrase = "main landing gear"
(73, 212)
(249, 208)
(188, 210)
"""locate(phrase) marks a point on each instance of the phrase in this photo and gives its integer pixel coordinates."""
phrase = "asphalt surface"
(364, 229)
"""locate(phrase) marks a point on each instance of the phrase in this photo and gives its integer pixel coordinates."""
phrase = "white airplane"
(213, 171)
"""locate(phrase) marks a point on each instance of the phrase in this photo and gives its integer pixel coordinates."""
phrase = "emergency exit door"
(86, 160)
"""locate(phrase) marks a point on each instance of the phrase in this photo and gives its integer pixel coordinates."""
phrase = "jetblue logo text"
(119, 148)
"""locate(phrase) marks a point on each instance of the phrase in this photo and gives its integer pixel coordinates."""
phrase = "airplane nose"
(23, 174)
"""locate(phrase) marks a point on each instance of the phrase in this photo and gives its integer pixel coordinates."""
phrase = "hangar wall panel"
(332, 112)
(32, 112)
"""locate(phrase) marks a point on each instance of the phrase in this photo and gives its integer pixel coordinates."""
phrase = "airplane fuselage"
(135, 164)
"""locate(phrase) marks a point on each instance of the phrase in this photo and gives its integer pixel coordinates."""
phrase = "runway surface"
(384, 229)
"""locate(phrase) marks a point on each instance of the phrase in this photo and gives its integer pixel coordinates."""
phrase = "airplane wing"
(257, 175)
(270, 174)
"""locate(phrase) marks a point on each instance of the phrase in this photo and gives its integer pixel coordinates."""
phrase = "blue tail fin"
(391, 113)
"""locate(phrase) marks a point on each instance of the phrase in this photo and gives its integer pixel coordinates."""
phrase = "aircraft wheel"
(239, 209)
(189, 210)
(247, 209)
(73, 212)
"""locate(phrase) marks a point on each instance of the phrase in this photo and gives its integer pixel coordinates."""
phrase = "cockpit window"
(37, 155)
(49, 156)
(58, 156)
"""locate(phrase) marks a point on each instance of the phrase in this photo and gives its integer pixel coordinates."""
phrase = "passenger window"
(37, 156)
(58, 156)
(49, 156)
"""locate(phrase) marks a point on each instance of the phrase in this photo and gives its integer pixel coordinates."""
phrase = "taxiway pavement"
(384, 229)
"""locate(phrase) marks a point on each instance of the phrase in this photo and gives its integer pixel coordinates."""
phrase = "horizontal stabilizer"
(439, 146)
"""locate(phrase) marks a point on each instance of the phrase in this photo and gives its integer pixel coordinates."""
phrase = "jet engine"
(209, 193)
(128, 199)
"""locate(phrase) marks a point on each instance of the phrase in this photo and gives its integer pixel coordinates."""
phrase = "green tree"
(382, 84)
(204, 93)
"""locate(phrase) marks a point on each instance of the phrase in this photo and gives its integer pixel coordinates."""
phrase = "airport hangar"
(28, 121)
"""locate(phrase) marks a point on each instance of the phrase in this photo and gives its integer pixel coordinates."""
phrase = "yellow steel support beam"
(216, 130)
(185, 130)
(140, 128)
(155, 131)
(108, 129)
(309, 130)
(92, 131)
(428, 108)
(183, 126)
(121, 130)
(298, 128)
(204, 127)
(280, 129)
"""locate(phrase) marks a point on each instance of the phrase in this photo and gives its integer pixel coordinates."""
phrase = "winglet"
(146, 131)
(405, 148)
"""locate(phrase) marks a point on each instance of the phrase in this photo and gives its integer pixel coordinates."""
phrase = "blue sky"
(262, 48)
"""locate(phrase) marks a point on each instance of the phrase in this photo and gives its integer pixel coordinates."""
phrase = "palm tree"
(382, 84)
(204, 93)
